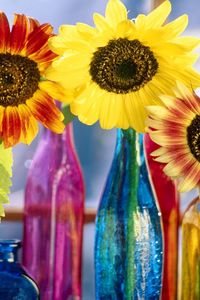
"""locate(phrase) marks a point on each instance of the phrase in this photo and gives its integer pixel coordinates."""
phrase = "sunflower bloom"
(176, 128)
(121, 65)
(25, 96)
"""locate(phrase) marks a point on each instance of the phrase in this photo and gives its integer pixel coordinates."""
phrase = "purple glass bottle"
(53, 223)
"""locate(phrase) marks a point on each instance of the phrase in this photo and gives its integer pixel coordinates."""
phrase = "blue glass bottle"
(128, 244)
(15, 284)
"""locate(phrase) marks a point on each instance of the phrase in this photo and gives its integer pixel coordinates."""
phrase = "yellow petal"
(159, 151)
(91, 111)
(87, 104)
(156, 124)
(69, 80)
(158, 16)
(125, 29)
(68, 32)
(187, 43)
(108, 113)
(183, 91)
(72, 62)
(140, 22)
(176, 27)
(116, 12)
(101, 23)
(169, 49)
(187, 59)
(56, 91)
(85, 30)
(174, 168)
(157, 111)
(29, 124)
(192, 178)
(57, 45)
(123, 120)
(135, 111)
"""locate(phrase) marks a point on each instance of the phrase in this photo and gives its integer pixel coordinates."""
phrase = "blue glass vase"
(128, 243)
(15, 284)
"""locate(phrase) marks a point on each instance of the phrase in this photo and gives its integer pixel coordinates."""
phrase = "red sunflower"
(176, 128)
(25, 95)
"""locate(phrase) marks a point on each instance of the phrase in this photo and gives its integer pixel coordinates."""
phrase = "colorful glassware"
(168, 200)
(53, 223)
(190, 271)
(15, 284)
(128, 245)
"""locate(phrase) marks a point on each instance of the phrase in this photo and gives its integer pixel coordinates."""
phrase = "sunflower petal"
(58, 45)
(56, 91)
(176, 27)
(33, 24)
(29, 127)
(101, 23)
(38, 38)
(116, 12)
(2, 109)
(192, 178)
(11, 127)
(187, 43)
(44, 110)
(107, 118)
(136, 113)
(19, 33)
(159, 15)
(4, 33)
(86, 31)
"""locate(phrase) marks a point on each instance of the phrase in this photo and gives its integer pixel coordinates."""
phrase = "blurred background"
(94, 146)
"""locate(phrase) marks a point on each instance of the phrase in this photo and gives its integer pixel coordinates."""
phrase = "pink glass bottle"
(53, 222)
(168, 201)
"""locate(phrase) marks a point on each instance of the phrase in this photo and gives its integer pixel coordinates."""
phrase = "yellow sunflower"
(122, 65)
(25, 95)
(176, 128)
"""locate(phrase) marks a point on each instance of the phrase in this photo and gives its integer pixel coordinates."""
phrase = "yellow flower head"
(121, 65)
(176, 128)
(25, 95)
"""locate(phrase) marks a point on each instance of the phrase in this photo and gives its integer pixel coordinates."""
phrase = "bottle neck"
(66, 138)
(127, 142)
(8, 250)
(130, 143)
(126, 135)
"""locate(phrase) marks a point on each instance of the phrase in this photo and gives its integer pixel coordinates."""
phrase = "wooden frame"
(16, 215)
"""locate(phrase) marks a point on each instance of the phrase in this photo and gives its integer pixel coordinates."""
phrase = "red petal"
(19, 33)
(11, 127)
(4, 33)
(33, 24)
(38, 38)
(44, 109)
(28, 123)
(45, 55)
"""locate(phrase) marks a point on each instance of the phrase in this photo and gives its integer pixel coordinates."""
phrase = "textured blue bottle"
(128, 244)
(15, 284)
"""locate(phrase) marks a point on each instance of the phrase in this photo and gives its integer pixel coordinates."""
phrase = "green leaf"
(6, 162)
(67, 114)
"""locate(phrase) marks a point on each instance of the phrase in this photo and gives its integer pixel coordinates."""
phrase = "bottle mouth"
(11, 242)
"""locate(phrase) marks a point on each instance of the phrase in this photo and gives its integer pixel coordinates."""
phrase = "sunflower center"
(126, 70)
(7, 78)
(19, 78)
(123, 66)
(193, 137)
